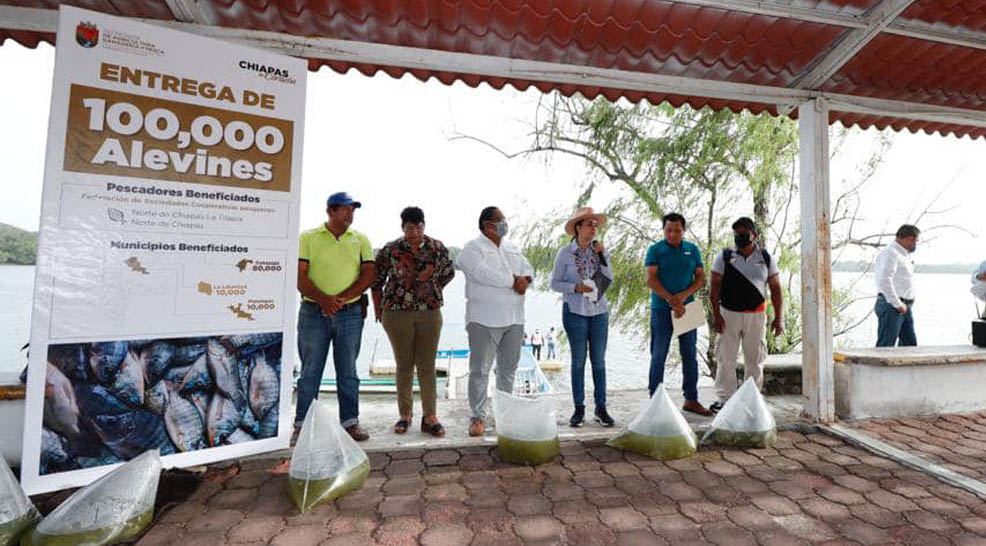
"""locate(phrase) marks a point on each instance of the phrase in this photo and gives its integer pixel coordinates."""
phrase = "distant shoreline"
(866, 267)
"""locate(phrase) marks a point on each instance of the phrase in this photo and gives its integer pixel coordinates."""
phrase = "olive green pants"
(414, 338)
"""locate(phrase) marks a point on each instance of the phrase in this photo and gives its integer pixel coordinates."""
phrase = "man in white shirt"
(978, 287)
(895, 290)
(497, 276)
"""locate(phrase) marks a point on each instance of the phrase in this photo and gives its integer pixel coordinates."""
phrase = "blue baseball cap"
(344, 199)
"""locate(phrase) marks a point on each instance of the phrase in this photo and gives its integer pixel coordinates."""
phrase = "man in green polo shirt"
(335, 267)
(674, 275)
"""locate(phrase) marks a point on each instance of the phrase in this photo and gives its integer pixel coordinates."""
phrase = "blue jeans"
(660, 342)
(316, 332)
(592, 332)
(894, 328)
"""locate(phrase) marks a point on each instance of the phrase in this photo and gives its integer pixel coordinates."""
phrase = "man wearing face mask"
(738, 296)
(895, 290)
(497, 276)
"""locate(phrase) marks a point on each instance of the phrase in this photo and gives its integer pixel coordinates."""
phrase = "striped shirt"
(574, 265)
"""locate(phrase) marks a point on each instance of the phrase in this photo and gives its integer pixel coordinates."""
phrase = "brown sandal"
(400, 427)
(435, 429)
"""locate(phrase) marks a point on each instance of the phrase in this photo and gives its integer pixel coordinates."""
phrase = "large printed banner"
(163, 306)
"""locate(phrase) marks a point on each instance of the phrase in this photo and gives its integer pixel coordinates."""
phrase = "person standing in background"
(536, 342)
(894, 274)
(978, 287)
(553, 340)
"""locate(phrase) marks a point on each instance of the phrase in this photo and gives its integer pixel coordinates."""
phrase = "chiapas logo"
(87, 34)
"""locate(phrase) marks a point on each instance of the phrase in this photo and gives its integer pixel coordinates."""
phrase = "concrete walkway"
(811, 489)
(957, 442)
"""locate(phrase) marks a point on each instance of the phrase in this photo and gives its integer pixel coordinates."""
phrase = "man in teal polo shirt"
(674, 274)
(335, 267)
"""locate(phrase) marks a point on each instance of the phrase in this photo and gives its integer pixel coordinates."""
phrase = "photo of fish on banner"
(107, 402)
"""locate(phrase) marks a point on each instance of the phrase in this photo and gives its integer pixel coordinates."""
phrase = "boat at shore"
(528, 380)
(443, 359)
(453, 379)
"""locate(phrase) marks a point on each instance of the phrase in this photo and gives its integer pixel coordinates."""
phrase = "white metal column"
(816, 265)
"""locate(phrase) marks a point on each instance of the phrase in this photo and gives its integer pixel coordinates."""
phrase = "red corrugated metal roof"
(917, 71)
(651, 36)
(969, 14)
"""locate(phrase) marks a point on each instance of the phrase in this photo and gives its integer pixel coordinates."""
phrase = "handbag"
(602, 282)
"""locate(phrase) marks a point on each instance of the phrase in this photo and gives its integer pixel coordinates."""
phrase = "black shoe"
(578, 418)
(603, 418)
(715, 407)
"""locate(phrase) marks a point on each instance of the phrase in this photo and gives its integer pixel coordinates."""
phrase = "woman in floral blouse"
(412, 271)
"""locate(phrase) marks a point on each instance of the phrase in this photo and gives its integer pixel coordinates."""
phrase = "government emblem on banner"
(87, 34)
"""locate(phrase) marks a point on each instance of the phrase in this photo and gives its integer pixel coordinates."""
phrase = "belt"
(905, 300)
(341, 309)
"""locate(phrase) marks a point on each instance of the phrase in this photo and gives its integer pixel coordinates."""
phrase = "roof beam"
(30, 19)
(945, 34)
(901, 27)
(777, 9)
(44, 20)
(188, 11)
(849, 44)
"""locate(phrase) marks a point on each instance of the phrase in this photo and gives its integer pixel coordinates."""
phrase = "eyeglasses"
(589, 223)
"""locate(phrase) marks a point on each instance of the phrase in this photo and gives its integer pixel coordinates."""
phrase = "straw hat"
(584, 213)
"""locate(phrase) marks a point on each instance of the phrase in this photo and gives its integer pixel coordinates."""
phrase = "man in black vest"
(738, 295)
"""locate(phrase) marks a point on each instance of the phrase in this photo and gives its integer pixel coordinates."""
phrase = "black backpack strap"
(766, 258)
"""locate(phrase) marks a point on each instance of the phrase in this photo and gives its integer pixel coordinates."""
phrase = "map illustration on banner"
(163, 296)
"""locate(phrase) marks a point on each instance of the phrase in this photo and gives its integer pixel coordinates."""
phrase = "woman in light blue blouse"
(580, 268)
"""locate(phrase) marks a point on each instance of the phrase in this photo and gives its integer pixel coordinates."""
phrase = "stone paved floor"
(957, 442)
(811, 489)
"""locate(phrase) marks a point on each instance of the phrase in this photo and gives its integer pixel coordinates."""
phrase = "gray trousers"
(485, 343)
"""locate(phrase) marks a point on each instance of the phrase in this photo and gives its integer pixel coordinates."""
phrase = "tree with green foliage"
(17, 246)
(710, 166)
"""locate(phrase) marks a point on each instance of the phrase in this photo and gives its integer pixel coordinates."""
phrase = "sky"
(387, 142)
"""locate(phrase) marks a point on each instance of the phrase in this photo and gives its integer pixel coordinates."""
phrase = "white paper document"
(693, 318)
(594, 295)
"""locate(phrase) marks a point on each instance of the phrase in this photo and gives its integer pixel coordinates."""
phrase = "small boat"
(373, 386)
(443, 358)
(553, 365)
(528, 380)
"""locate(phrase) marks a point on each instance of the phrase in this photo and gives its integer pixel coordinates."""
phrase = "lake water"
(942, 315)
